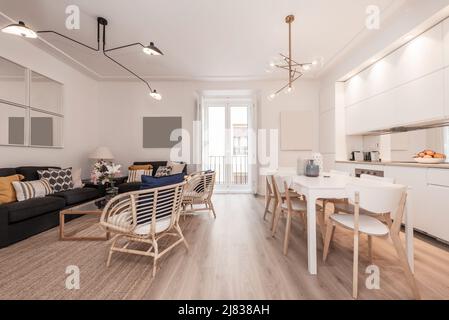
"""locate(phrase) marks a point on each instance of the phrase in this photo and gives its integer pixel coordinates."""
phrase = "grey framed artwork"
(157, 131)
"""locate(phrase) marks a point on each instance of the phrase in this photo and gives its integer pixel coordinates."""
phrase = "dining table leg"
(311, 234)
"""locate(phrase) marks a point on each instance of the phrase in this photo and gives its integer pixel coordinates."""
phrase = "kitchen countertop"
(444, 165)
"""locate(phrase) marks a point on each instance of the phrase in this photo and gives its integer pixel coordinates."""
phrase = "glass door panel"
(225, 149)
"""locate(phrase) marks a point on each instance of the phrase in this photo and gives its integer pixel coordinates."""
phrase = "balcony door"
(226, 145)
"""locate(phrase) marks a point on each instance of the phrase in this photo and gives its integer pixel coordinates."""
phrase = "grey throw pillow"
(59, 179)
(163, 171)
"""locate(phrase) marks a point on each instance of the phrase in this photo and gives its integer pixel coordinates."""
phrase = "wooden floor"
(232, 257)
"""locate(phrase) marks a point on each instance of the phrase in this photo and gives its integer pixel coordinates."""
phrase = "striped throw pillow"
(32, 189)
(136, 175)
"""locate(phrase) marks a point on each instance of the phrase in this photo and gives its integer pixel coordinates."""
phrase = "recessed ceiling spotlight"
(408, 37)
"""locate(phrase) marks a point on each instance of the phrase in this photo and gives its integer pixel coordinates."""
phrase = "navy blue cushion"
(149, 182)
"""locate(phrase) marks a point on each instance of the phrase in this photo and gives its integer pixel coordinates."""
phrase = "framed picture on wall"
(157, 131)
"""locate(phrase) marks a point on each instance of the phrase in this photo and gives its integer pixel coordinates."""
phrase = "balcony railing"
(238, 167)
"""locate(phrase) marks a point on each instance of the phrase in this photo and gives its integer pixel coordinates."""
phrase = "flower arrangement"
(103, 172)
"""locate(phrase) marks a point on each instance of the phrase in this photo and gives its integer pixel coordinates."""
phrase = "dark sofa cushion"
(19, 211)
(149, 182)
(6, 172)
(76, 196)
(30, 173)
(128, 187)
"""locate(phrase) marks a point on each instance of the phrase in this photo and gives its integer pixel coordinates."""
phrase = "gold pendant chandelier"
(295, 69)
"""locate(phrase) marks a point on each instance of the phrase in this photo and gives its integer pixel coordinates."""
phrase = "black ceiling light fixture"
(20, 29)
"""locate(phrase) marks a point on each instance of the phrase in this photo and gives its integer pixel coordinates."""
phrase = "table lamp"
(102, 153)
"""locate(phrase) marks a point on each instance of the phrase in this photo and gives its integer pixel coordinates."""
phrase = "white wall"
(81, 124)
(124, 104)
(391, 30)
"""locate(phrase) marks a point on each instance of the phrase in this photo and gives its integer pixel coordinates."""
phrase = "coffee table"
(93, 208)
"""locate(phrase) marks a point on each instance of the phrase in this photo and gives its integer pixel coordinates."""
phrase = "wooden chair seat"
(367, 224)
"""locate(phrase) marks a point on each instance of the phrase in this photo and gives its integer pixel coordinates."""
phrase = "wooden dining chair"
(144, 216)
(377, 199)
(271, 197)
(291, 207)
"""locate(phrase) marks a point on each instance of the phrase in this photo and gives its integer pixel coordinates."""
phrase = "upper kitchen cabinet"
(446, 64)
(404, 88)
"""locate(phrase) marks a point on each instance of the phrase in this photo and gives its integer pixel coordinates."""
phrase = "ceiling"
(201, 39)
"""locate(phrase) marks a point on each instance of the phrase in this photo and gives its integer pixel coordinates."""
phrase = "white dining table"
(333, 187)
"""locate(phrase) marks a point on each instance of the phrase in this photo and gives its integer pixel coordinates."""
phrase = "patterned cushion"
(32, 189)
(176, 167)
(60, 180)
(136, 175)
(163, 171)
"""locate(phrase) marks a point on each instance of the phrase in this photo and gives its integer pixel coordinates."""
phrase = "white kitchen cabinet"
(415, 179)
(419, 101)
(436, 211)
(415, 102)
(421, 56)
(410, 86)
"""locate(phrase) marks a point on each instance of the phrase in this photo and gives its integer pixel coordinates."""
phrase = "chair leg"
(321, 224)
(277, 216)
(267, 207)
(355, 269)
(211, 207)
(273, 216)
(156, 251)
(329, 232)
(108, 262)
(370, 249)
(178, 229)
(404, 262)
(287, 232)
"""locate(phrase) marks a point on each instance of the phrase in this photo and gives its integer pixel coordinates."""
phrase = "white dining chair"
(345, 206)
(377, 199)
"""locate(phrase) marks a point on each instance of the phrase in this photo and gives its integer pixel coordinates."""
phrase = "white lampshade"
(102, 153)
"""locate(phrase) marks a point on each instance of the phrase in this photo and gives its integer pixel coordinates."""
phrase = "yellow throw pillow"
(141, 167)
(7, 192)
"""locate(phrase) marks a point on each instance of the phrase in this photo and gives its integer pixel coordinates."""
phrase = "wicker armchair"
(144, 216)
(198, 191)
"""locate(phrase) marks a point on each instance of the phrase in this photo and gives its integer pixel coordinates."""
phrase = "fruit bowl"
(429, 160)
(430, 157)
